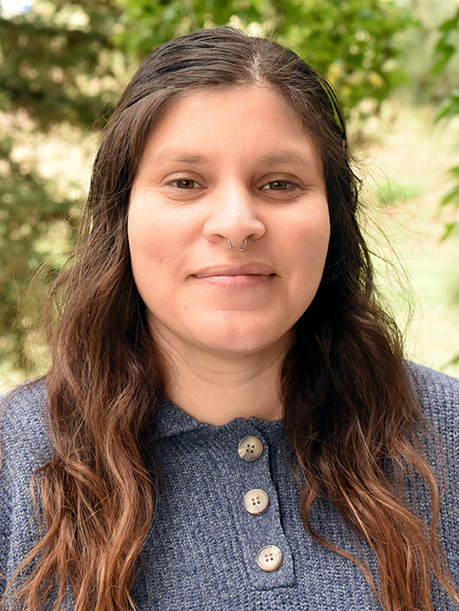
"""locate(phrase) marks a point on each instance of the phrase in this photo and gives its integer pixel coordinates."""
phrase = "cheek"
(159, 229)
(158, 251)
(150, 236)
(144, 249)
(313, 240)
(319, 242)
(309, 255)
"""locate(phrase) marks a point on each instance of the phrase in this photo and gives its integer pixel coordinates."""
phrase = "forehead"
(261, 98)
(226, 121)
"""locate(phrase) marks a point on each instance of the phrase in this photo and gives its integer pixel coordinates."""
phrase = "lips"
(247, 269)
(249, 276)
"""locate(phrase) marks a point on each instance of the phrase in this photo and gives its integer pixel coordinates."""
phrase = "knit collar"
(171, 421)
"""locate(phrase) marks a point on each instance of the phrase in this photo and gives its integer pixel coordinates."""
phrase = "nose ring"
(242, 248)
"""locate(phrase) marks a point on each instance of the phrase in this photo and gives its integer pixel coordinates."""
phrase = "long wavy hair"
(349, 408)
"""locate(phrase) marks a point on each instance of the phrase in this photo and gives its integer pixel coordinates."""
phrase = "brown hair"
(349, 408)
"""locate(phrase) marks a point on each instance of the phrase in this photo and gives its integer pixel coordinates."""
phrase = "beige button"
(269, 558)
(250, 448)
(256, 501)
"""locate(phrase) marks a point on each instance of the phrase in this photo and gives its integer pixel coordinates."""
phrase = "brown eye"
(279, 185)
(183, 183)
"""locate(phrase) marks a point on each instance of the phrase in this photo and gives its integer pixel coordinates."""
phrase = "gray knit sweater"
(229, 503)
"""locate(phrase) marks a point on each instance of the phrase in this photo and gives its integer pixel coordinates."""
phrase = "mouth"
(248, 269)
(249, 275)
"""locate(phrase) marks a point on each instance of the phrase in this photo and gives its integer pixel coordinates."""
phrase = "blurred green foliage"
(446, 50)
(57, 68)
(65, 62)
(56, 61)
(356, 43)
(28, 212)
(447, 44)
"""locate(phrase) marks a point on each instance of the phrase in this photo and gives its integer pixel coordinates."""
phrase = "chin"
(241, 344)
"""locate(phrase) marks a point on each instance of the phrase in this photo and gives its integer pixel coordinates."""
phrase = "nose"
(234, 215)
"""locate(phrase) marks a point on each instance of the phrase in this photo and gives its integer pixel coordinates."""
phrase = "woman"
(228, 422)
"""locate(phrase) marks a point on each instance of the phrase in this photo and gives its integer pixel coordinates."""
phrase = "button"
(269, 558)
(256, 501)
(250, 448)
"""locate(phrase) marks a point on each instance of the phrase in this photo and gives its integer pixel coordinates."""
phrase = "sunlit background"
(394, 63)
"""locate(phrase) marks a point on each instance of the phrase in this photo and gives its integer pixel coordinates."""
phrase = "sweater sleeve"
(439, 396)
(5, 524)
(25, 447)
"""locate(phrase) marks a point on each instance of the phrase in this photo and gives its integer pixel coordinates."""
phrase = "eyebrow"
(280, 157)
(271, 159)
(169, 154)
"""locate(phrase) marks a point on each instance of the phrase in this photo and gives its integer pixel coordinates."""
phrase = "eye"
(279, 185)
(184, 183)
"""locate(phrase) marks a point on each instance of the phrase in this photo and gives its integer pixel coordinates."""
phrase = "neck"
(218, 388)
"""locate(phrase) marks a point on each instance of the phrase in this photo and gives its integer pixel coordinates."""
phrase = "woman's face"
(228, 164)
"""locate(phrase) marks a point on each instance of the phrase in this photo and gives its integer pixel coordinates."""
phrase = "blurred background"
(395, 64)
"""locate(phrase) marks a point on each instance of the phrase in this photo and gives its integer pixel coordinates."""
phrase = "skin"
(228, 164)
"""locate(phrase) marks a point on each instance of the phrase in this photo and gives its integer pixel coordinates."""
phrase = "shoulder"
(25, 447)
(438, 395)
(23, 426)
(439, 398)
